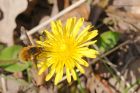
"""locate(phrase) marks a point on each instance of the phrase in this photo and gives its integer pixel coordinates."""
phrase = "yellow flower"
(66, 46)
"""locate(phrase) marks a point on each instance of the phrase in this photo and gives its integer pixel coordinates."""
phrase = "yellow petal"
(73, 74)
(59, 67)
(69, 65)
(52, 70)
(48, 77)
(88, 43)
(42, 56)
(49, 35)
(40, 64)
(49, 62)
(91, 53)
(80, 68)
(40, 43)
(42, 69)
(58, 77)
(83, 33)
(61, 74)
(67, 26)
(77, 27)
(92, 34)
(81, 61)
(59, 27)
(70, 25)
(88, 36)
(54, 28)
(68, 75)
(54, 65)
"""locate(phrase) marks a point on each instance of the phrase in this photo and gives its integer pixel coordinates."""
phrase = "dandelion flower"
(67, 45)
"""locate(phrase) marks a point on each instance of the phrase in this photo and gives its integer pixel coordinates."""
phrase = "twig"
(29, 38)
(107, 62)
(3, 85)
(116, 71)
(35, 29)
(109, 52)
(113, 67)
(121, 77)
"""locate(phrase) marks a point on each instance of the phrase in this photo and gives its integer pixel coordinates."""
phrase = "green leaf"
(108, 40)
(17, 67)
(5, 63)
(9, 59)
(1, 47)
(10, 53)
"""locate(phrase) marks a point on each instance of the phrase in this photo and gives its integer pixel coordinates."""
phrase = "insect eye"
(32, 50)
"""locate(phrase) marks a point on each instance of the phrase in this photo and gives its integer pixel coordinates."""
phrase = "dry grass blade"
(106, 61)
(3, 85)
(111, 51)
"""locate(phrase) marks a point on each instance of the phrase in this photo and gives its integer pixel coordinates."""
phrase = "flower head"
(66, 46)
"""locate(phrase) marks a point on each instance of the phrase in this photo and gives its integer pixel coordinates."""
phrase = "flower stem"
(79, 83)
(28, 75)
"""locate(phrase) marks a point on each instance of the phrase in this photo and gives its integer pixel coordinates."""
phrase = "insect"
(29, 52)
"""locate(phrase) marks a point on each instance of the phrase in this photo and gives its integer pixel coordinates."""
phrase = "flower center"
(63, 47)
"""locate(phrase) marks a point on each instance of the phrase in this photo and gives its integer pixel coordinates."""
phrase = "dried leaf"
(78, 13)
(10, 10)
